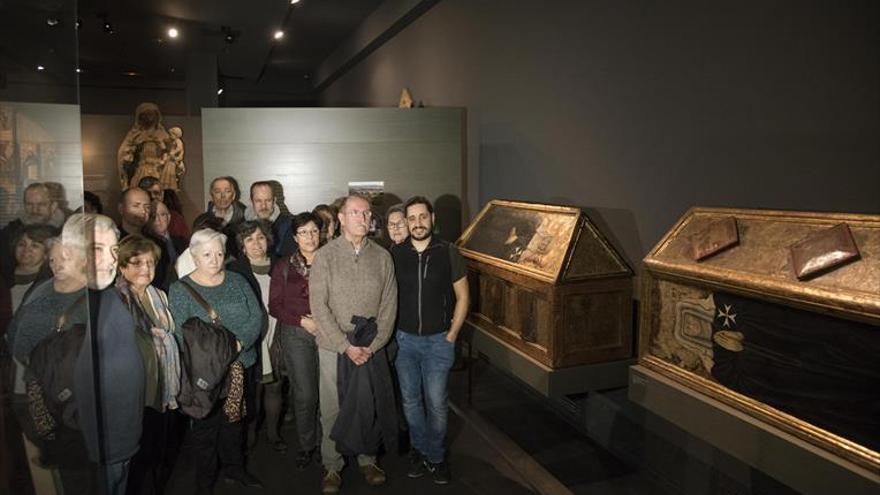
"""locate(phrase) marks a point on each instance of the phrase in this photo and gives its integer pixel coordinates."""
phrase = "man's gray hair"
(201, 238)
(37, 185)
(79, 230)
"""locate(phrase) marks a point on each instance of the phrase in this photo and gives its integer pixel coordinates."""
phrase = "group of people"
(309, 300)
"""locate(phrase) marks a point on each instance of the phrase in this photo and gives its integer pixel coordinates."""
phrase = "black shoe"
(439, 472)
(303, 459)
(243, 478)
(416, 464)
(280, 446)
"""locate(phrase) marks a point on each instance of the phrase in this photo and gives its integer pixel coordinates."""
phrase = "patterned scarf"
(161, 328)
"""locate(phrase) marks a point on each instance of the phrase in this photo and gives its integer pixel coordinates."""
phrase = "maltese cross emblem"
(728, 315)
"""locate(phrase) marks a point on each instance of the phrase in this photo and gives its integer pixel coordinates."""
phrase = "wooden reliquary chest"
(776, 314)
(545, 281)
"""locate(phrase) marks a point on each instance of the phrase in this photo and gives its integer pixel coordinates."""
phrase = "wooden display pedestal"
(549, 382)
(800, 465)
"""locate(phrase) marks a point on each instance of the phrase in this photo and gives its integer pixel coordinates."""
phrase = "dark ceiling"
(139, 51)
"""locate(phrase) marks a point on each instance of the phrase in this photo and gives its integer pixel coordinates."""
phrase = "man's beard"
(138, 222)
(100, 281)
(33, 219)
(421, 233)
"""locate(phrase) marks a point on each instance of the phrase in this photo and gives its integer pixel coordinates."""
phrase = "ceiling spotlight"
(219, 91)
(40, 67)
(78, 70)
(293, 2)
(108, 28)
(52, 21)
(229, 36)
(278, 34)
(79, 23)
(172, 33)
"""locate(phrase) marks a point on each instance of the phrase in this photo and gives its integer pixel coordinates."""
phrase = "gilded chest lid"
(831, 260)
(548, 242)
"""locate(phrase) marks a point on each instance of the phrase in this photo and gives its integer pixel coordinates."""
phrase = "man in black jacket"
(433, 296)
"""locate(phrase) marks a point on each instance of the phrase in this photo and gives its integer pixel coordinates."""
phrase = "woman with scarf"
(254, 240)
(289, 303)
(163, 425)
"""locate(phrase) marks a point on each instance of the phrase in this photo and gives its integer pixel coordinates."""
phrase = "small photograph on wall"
(374, 190)
(535, 237)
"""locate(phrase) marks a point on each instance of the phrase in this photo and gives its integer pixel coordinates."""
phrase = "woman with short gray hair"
(239, 310)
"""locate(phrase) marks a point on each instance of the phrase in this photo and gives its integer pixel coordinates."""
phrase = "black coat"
(367, 412)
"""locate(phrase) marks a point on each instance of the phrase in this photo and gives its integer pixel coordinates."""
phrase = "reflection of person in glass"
(38, 209)
(35, 319)
(148, 305)
(109, 377)
(30, 260)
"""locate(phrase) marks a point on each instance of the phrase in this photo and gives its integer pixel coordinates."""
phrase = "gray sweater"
(343, 284)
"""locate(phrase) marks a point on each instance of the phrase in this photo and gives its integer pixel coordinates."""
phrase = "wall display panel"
(778, 317)
(39, 142)
(546, 282)
(316, 153)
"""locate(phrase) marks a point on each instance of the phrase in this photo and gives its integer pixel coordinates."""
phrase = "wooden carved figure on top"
(173, 167)
(143, 150)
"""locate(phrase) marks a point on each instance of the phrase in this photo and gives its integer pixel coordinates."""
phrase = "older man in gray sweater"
(351, 276)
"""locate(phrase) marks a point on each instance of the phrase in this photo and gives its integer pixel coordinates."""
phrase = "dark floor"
(505, 441)
(577, 462)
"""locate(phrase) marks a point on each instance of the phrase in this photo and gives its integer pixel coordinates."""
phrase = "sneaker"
(279, 446)
(331, 483)
(439, 472)
(373, 474)
(416, 464)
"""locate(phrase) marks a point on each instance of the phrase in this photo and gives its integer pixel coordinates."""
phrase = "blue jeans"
(423, 364)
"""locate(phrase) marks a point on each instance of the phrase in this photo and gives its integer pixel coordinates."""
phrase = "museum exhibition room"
(439, 247)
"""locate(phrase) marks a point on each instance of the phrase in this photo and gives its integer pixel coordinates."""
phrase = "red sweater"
(288, 299)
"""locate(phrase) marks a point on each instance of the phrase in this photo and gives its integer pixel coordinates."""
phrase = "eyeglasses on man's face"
(359, 213)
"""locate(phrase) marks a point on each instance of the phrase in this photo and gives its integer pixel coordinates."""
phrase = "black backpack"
(51, 368)
(207, 352)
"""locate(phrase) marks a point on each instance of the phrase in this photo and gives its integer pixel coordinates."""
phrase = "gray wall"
(639, 110)
(315, 152)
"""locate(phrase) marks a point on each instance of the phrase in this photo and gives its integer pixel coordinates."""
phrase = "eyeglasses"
(308, 233)
(142, 264)
(359, 213)
(396, 225)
